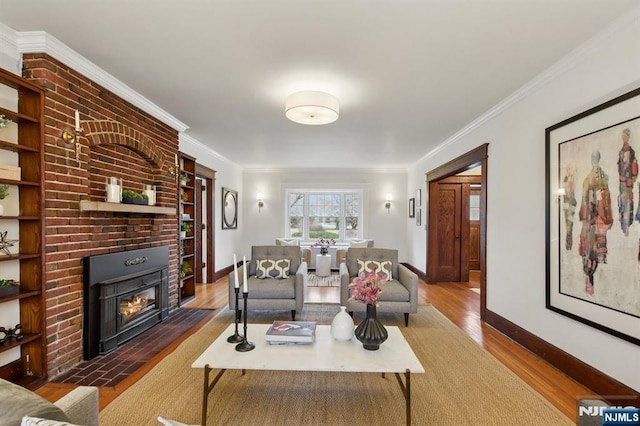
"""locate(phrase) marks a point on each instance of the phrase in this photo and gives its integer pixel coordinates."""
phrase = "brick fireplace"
(121, 141)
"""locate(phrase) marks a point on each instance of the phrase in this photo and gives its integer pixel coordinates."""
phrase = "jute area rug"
(463, 385)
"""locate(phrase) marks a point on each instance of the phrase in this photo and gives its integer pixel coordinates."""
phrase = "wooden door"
(474, 229)
(448, 227)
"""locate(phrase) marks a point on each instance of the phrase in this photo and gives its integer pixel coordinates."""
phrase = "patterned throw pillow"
(36, 421)
(380, 265)
(269, 268)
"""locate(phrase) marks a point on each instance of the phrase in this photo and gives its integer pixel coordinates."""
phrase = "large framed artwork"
(593, 219)
(229, 209)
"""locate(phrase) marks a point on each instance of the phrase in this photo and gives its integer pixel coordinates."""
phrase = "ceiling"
(408, 74)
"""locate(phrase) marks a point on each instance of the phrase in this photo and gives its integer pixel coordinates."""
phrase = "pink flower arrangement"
(366, 287)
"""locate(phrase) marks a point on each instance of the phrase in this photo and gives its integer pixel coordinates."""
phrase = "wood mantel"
(99, 206)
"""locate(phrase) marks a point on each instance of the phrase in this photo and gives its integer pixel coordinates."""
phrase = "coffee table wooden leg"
(207, 388)
(406, 391)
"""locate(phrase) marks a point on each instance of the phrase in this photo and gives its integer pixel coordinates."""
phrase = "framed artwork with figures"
(592, 217)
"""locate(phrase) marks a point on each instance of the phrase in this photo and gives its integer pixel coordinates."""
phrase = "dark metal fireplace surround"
(125, 294)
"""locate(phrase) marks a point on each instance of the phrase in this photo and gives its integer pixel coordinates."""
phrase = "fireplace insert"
(126, 294)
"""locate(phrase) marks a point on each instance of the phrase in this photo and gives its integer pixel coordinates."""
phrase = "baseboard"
(600, 383)
(224, 272)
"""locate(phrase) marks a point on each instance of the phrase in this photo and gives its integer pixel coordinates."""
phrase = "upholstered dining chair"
(400, 294)
(276, 280)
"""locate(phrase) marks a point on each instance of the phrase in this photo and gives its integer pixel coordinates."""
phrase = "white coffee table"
(394, 356)
(323, 265)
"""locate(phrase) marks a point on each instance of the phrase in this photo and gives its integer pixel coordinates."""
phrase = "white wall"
(10, 59)
(228, 175)
(387, 229)
(603, 68)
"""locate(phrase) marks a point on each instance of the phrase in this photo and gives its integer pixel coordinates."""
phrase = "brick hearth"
(111, 369)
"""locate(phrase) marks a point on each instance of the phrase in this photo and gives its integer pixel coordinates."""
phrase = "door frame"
(473, 158)
(209, 176)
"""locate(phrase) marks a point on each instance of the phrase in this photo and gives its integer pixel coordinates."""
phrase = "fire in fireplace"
(126, 293)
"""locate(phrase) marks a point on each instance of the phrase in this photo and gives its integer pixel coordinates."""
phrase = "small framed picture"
(418, 217)
(412, 207)
(418, 197)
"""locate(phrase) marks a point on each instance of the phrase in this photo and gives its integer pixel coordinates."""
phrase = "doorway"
(449, 240)
(204, 243)
(452, 217)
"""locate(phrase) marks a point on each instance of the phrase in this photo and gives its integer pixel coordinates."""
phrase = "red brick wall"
(122, 141)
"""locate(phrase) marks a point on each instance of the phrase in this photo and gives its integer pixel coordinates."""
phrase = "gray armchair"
(398, 295)
(272, 293)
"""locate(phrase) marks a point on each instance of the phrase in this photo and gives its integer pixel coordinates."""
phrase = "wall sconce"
(388, 203)
(73, 136)
(260, 202)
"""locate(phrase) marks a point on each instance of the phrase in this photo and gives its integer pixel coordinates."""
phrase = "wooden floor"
(455, 300)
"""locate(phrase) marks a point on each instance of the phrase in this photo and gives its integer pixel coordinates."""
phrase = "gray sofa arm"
(345, 280)
(301, 285)
(410, 281)
(81, 405)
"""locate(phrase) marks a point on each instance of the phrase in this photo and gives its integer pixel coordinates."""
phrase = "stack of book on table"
(291, 332)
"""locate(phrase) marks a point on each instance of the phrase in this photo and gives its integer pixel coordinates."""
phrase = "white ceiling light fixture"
(312, 108)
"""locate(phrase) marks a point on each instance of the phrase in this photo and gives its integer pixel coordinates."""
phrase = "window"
(474, 207)
(327, 214)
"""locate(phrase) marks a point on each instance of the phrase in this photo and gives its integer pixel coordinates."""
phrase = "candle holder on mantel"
(246, 345)
(236, 338)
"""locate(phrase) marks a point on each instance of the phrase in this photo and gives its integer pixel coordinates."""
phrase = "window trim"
(329, 190)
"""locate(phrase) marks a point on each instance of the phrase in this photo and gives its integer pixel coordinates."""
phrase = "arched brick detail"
(99, 132)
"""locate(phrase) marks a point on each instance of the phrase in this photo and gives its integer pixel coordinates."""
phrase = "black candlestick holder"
(236, 338)
(246, 345)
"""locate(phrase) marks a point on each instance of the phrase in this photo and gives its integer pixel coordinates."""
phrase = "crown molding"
(42, 42)
(185, 138)
(323, 170)
(563, 65)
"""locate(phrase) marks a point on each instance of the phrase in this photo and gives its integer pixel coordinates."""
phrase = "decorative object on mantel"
(4, 193)
(324, 245)
(132, 197)
(11, 333)
(342, 326)
(9, 287)
(150, 192)
(113, 188)
(366, 288)
(6, 243)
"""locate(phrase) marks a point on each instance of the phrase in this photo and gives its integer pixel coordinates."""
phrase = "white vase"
(342, 326)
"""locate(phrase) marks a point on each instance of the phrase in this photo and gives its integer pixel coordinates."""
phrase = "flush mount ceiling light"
(313, 108)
